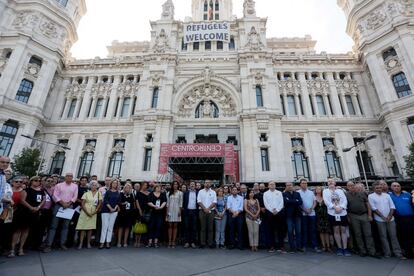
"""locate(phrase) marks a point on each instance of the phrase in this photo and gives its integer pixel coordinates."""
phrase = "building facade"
(288, 110)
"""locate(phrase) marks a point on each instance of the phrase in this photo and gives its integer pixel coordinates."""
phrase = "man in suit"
(190, 215)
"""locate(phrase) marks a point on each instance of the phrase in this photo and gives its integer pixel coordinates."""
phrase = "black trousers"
(276, 223)
(405, 230)
(236, 229)
(190, 219)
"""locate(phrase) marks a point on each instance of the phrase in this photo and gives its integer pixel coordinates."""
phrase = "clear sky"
(128, 20)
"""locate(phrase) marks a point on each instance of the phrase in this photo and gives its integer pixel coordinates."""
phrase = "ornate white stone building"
(289, 110)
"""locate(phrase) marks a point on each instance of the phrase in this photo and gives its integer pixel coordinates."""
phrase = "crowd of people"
(332, 219)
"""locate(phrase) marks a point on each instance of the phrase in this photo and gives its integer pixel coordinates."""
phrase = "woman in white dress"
(174, 207)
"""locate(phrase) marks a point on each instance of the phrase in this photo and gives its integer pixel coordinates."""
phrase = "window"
(401, 85)
(196, 46)
(115, 164)
(263, 137)
(205, 6)
(62, 2)
(8, 54)
(366, 160)
(85, 166)
(259, 96)
(341, 105)
(219, 45)
(311, 105)
(411, 127)
(24, 91)
(7, 136)
(333, 165)
(72, 107)
(232, 44)
(292, 105)
(282, 103)
(116, 106)
(99, 108)
(264, 153)
(321, 105)
(147, 159)
(35, 60)
(134, 104)
(149, 138)
(350, 105)
(207, 45)
(125, 107)
(300, 165)
(217, 6)
(57, 163)
(184, 46)
(232, 140)
(154, 102)
(301, 105)
(389, 53)
(181, 140)
(359, 104)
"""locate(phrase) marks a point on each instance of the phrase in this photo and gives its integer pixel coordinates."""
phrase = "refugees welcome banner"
(206, 31)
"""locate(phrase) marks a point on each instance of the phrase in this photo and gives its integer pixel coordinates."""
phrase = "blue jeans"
(294, 232)
(54, 226)
(309, 231)
(221, 230)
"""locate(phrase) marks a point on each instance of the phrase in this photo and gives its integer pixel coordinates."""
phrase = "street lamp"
(357, 146)
(44, 151)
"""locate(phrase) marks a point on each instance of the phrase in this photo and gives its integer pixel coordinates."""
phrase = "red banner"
(198, 150)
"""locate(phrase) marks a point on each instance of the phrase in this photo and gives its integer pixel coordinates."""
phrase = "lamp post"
(357, 146)
(44, 151)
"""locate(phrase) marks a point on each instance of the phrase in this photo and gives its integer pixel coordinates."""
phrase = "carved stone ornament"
(117, 148)
(161, 42)
(289, 86)
(406, 7)
(254, 43)
(193, 98)
(330, 148)
(207, 74)
(389, 158)
(49, 29)
(101, 89)
(168, 10)
(375, 19)
(347, 86)
(392, 64)
(317, 86)
(128, 88)
(75, 89)
(298, 148)
(249, 9)
(33, 70)
(40, 24)
(3, 62)
(258, 78)
(156, 80)
(88, 148)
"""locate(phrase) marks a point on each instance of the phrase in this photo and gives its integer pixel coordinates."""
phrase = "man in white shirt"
(207, 200)
(384, 208)
(336, 202)
(235, 218)
(273, 202)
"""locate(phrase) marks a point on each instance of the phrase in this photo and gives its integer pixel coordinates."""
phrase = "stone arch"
(218, 90)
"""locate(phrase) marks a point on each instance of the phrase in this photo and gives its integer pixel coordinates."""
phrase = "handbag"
(7, 215)
(140, 228)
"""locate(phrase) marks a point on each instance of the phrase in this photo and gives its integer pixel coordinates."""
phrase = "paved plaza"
(204, 262)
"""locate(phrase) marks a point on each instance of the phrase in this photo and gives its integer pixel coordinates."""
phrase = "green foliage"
(27, 162)
(409, 160)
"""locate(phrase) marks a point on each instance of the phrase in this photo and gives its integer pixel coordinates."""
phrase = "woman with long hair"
(109, 213)
(143, 215)
(26, 212)
(322, 220)
(157, 202)
(252, 209)
(174, 208)
(126, 216)
(91, 204)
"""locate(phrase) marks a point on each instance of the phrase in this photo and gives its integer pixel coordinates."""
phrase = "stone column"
(285, 102)
(298, 108)
(305, 96)
(315, 105)
(336, 106)
(87, 99)
(112, 103)
(355, 102)
(42, 84)
(93, 107)
(66, 109)
(344, 105)
(77, 108)
(327, 105)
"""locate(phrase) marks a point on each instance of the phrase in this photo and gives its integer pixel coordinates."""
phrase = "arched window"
(25, 88)
(232, 44)
(205, 6)
(115, 164)
(35, 60)
(401, 85)
(7, 136)
(389, 53)
(217, 6)
(85, 166)
(333, 165)
(207, 109)
(57, 163)
(299, 160)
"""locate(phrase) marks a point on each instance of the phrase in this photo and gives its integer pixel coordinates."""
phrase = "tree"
(27, 162)
(409, 160)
